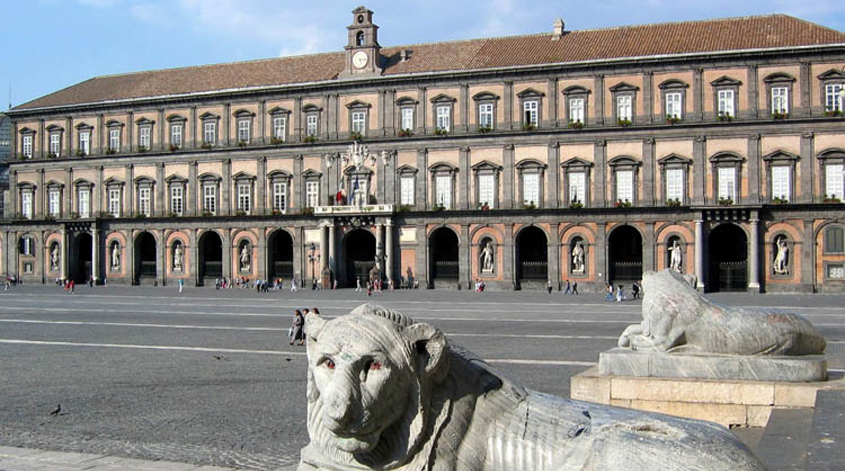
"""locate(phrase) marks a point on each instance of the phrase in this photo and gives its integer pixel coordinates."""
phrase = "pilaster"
(508, 268)
(422, 179)
(601, 253)
(553, 255)
(390, 255)
(804, 79)
(598, 88)
(298, 196)
(129, 192)
(754, 254)
(553, 120)
(193, 257)
(808, 192)
(698, 94)
(192, 192)
(752, 92)
(508, 177)
(463, 178)
(261, 188)
(699, 253)
(508, 105)
(699, 167)
(422, 256)
(755, 195)
(553, 194)
(647, 198)
(648, 98)
(161, 126)
(227, 125)
(463, 104)
(648, 248)
(227, 253)
(226, 205)
(600, 157)
(160, 202)
(808, 252)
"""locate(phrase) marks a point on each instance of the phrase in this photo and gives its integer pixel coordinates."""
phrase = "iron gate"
(733, 276)
(533, 270)
(628, 271)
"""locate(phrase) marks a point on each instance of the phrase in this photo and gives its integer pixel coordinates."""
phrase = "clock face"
(360, 59)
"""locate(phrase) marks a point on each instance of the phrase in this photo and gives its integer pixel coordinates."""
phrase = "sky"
(51, 44)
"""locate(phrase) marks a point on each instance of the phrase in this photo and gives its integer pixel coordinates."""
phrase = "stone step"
(826, 449)
(783, 446)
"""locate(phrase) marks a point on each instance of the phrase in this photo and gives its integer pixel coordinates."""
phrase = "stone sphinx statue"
(677, 319)
(387, 393)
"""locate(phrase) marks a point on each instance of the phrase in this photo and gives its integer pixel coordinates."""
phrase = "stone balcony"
(346, 210)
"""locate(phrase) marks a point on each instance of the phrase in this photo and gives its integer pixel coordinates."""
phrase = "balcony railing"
(351, 209)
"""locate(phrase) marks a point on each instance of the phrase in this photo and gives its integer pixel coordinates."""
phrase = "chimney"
(558, 29)
(404, 55)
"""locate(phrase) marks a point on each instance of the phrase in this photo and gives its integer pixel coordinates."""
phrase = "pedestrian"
(635, 290)
(620, 295)
(293, 284)
(575, 287)
(72, 286)
(549, 286)
(568, 288)
(297, 328)
(181, 284)
(608, 288)
(358, 285)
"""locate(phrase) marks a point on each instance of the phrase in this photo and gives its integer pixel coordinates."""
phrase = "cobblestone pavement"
(208, 378)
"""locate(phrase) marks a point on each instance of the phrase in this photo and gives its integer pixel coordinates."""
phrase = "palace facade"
(714, 147)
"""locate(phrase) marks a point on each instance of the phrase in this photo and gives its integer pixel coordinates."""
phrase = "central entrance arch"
(145, 258)
(626, 255)
(211, 257)
(444, 255)
(359, 253)
(728, 253)
(532, 257)
(82, 261)
(280, 254)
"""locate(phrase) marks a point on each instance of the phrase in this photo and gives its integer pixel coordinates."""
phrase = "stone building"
(5, 151)
(716, 147)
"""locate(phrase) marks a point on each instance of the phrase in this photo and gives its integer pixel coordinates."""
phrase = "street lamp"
(312, 258)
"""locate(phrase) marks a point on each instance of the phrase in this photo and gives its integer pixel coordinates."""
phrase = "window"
(576, 110)
(209, 198)
(836, 271)
(625, 186)
(280, 191)
(726, 103)
(26, 204)
(407, 118)
(487, 190)
(834, 181)
(84, 202)
(311, 125)
(485, 115)
(85, 142)
(144, 137)
(176, 134)
(673, 105)
(781, 180)
(834, 239)
(114, 202)
(209, 133)
(244, 191)
(26, 146)
(444, 115)
(530, 111)
(727, 183)
(312, 193)
(145, 200)
(279, 125)
(55, 143)
(177, 205)
(531, 189)
(577, 187)
(54, 203)
(675, 184)
(359, 122)
(114, 140)
(624, 107)
(27, 246)
(833, 97)
(443, 191)
(406, 190)
(243, 131)
(780, 100)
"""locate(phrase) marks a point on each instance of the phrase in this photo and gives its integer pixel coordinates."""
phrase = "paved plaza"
(207, 377)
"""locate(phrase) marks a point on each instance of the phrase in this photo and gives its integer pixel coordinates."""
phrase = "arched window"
(359, 38)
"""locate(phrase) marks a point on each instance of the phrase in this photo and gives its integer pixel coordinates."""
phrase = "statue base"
(626, 362)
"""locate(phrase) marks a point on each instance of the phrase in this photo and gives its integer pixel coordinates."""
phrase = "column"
(194, 143)
(262, 254)
(754, 191)
(161, 260)
(464, 258)
(698, 94)
(463, 178)
(599, 154)
(39, 203)
(226, 203)
(227, 129)
(754, 255)
(296, 135)
(95, 254)
(129, 259)
(332, 249)
(598, 89)
(227, 253)
(647, 198)
(422, 179)
(161, 126)
(192, 192)
(421, 274)
(64, 254)
(128, 192)
(808, 194)
(508, 105)
(808, 252)
(98, 204)
(298, 193)
(699, 253)
(508, 272)
(553, 106)
(648, 99)
(12, 203)
(648, 247)
(752, 91)
(324, 247)
(507, 176)
(803, 107)
(193, 259)
(553, 256)
(699, 165)
(601, 253)
(391, 258)
(380, 248)
(553, 194)
(261, 186)
(159, 208)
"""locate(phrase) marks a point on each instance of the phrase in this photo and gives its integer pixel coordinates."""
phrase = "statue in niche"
(177, 256)
(115, 256)
(244, 257)
(54, 257)
(676, 259)
(782, 257)
(578, 258)
(487, 258)
(433, 405)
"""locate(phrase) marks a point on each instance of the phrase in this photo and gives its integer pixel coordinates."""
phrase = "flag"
(339, 196)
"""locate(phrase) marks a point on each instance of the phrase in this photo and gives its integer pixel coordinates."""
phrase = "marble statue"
(782, 257)
(487, 258)
(676, 318)
(676, 259)
(578, 265)
(177, 257)
(115, 257)
(244, 258)
(387, 393)
(54, 257)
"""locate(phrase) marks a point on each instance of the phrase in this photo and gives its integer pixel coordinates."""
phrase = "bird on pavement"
(56, 410)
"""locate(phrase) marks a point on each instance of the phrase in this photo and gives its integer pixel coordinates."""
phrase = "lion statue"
(388, 393)
(677, 319)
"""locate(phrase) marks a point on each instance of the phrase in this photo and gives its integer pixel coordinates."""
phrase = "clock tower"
(362, 50)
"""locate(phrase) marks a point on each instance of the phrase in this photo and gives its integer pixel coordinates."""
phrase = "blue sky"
(51, 44)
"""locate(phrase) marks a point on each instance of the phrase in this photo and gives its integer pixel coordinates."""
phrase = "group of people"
(619, 293)
(377, 285)
(297, 328)
(480, 286)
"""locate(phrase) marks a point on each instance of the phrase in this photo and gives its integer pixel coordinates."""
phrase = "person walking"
(549, 286)
(181, 284)
(620, 295)
(575, 287)
(568, 288)
(297, 328)
(293, 284)
(358, 285)
(609, 290)
(635, 290)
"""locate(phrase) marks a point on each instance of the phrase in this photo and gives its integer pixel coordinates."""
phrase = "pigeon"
(56, 410)
(220, 357)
